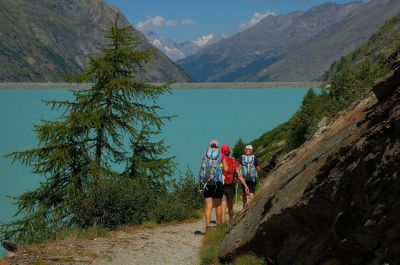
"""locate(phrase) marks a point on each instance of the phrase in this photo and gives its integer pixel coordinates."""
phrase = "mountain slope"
(335, 199)
(378, 47)
(42, 39)
(291, 47)
(334, 42)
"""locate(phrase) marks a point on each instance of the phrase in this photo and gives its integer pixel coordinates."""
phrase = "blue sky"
(186, 20)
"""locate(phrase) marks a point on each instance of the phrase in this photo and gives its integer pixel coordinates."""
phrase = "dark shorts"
(230, 192)
(214, 191)
(252, 186)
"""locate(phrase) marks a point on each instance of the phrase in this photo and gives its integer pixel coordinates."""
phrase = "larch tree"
(106, 127)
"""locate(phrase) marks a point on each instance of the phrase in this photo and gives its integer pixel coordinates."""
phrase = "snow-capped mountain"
(205, 40)
(179, 50)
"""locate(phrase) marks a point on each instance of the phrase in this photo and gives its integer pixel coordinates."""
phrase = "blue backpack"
(249, 171)
(210, 170)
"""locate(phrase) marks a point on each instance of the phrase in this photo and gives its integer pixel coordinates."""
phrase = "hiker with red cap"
(210, 181)
(230, 173)
(249, 168)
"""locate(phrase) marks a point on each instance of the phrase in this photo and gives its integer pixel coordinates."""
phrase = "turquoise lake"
(202, 115)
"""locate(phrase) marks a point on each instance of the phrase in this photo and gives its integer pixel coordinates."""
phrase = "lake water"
(202, 115)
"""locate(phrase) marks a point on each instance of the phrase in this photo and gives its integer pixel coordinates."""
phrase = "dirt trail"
(165, 244)
(175, 244)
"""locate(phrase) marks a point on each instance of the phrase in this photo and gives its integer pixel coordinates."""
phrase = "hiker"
(210, 182)
(230, 173)
(249, 168)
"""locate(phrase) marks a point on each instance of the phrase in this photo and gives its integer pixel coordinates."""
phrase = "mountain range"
(40, 40)
(179, 50)
(299, 46)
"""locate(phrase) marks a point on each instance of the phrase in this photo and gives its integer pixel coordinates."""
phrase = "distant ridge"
(232, 85)
(299, 46)
(40, 40)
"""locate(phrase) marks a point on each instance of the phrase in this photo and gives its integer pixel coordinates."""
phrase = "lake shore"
(230, 85)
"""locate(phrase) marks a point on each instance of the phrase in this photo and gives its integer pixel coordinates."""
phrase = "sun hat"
(249, 147)
(214, 143)
(225, 149)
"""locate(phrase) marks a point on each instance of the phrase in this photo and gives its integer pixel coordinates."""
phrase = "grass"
(249, 260)
(211, 245)
(98, 231)
(89, 233)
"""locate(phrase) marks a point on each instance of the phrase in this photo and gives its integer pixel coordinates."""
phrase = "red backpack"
(230, 176)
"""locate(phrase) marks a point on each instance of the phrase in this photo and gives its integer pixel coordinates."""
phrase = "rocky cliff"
(335, 200)
(40, 40)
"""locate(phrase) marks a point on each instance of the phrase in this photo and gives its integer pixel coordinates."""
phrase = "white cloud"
(158, 21)
(203, 40)
(172, 23)
(150, 22)
(188, 21)
(257, 17)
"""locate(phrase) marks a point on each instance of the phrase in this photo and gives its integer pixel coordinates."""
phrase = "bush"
(238, 148)
(181, 202)
(116, 202)
(304, 123)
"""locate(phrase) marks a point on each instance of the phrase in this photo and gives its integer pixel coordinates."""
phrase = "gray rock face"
(336, 199)
(40, 40)
(299, 46)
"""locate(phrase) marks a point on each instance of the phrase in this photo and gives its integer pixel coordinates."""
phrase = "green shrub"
(181, 202)
(304, 123)
(116, 202)
(238, 148)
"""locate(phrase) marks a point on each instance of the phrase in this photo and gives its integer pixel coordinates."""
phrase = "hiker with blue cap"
(210, 181)
(249, 167)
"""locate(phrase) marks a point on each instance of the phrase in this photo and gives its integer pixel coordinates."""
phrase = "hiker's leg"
(208, 203)
(207, 210)
(229, 192)
(218, 210)
(252, 191)
(223, 210)
(219, 193)
(230, 211)
(244, 195)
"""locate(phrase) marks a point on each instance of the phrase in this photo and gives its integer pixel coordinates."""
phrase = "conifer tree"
(91, 138)
(238, 149)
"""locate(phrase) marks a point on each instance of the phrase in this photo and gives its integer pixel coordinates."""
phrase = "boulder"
(336, 199)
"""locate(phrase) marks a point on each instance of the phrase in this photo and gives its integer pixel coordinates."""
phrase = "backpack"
(210, 170)
(249, 171)
(230, 176)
